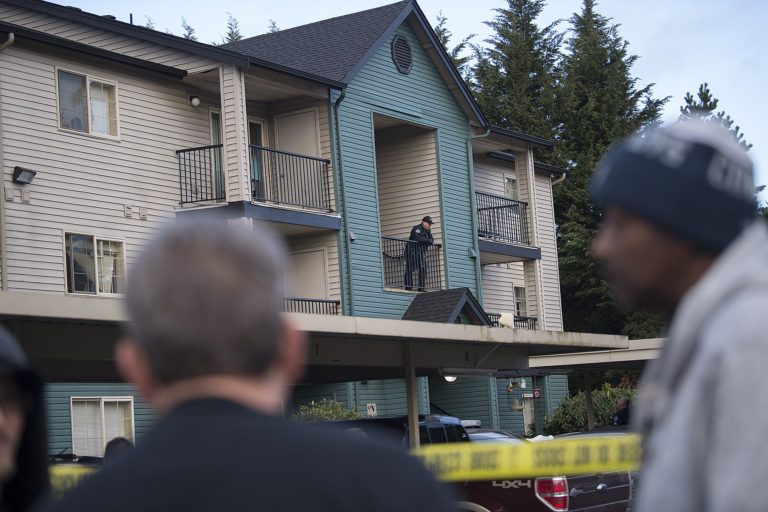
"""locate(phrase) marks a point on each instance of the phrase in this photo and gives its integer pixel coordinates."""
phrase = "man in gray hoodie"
(680, 234)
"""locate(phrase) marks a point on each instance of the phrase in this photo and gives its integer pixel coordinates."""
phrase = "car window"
(437, 435)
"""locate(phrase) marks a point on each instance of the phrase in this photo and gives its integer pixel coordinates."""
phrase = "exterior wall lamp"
(23, 176)
(194, 101)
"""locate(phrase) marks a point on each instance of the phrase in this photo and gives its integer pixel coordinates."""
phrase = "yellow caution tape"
(494, 461)
(64, 477)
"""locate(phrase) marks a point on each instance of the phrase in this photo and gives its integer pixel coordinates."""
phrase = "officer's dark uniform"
(416, 253)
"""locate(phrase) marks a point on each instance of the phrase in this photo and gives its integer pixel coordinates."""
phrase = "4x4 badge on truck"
(512, 484)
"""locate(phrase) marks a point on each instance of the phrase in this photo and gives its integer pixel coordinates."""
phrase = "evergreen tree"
(273, 26)
(599, 103)
(189, 32)
(515, 76)
(702, 108)
(149, 24)
(233, 30)
(460, 61)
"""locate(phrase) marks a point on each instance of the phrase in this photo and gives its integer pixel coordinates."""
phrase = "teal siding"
(388, 395)
(57, 399)
(468, 398)
(420, 97)
(511, 420)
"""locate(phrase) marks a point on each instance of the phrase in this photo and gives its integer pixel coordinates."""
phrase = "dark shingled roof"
(445, 306)
(329, 48)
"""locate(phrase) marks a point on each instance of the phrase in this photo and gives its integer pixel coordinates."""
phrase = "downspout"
(343, 202)
(3, 252)
(473, 205)
(559, 180)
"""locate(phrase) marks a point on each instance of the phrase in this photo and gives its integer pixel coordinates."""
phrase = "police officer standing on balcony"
(416, 253)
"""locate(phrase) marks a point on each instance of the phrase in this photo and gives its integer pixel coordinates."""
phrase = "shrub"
(327, 410)
(571, 413)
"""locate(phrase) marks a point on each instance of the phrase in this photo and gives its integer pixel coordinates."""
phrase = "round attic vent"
(401, 54)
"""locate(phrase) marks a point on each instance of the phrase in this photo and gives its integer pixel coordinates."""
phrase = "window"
(96, 421)
(87, 104)
(94, 265)
(520, 308)
(510, 187)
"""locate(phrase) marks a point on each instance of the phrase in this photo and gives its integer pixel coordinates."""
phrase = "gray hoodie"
(702, 409)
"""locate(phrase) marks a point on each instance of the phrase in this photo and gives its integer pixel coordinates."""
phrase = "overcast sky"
(681, 43)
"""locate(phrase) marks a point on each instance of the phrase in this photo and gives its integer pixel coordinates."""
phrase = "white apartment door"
(216, 162)
(299, 180)
(306, 276)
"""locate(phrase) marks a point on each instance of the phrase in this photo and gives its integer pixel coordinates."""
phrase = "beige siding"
(550, 276)
(499, 281)
(406, 167)
(328, 242)
(489, 175)
(83, 181)
(234, 133)
(104, 39)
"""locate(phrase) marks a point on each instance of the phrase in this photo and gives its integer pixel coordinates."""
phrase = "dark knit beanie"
(690, 179)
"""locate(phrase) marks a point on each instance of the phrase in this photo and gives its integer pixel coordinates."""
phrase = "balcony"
(289, 179)
(201, 178)
(502, 219)
(404, 258)
(313, 306)
(520, 322)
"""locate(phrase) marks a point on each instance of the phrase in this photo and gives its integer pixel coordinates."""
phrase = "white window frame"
(88, 79)
(523, 300)
(504, 184)
(96, 239)
(101, 400)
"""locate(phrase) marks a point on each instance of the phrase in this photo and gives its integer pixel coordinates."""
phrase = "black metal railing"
(525, 322)
(404, 258)
(315, 306)
(501, 218)
(201, 177)
(494, 318)
(287, 178)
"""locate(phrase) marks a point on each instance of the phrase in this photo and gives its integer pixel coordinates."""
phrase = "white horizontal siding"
(328, 242)
(499, 281)
(489, 175)
(406, 170)
(83, 181)
(550, 276)
(104, 39)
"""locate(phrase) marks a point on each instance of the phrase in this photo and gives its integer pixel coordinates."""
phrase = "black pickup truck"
(606, 492)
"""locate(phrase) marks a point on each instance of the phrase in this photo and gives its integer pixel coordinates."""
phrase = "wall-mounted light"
(450, 378)
(22, 175)
(194, 101)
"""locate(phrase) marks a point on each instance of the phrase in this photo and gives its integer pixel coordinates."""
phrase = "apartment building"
(109, 130)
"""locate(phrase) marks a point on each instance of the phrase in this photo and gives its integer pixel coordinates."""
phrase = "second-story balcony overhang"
(502, 229)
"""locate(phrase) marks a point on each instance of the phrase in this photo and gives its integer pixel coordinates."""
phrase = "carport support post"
(411, 395)
(590, 405)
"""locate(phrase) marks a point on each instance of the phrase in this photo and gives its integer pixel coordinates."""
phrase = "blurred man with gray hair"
(207, 345)
(680, 234)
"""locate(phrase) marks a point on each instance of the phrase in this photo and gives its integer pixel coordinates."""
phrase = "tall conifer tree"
(599, 104)
(515, 75)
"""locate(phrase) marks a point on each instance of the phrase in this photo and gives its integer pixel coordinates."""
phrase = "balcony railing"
(200, 174)
(520, 322)
(290, 179)
(501, 218)
(315, 306)
(525, 322)
(409, 264)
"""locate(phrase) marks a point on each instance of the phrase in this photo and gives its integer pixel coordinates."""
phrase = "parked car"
(604, 492)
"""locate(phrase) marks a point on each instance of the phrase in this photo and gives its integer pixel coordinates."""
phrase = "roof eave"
(138, 32)
(60, 42)
(531, 139)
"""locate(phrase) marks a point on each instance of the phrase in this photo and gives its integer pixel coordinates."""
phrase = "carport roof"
(633, 357)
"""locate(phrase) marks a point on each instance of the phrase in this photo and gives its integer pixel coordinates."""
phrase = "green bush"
(327, 410)
(571, 413)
